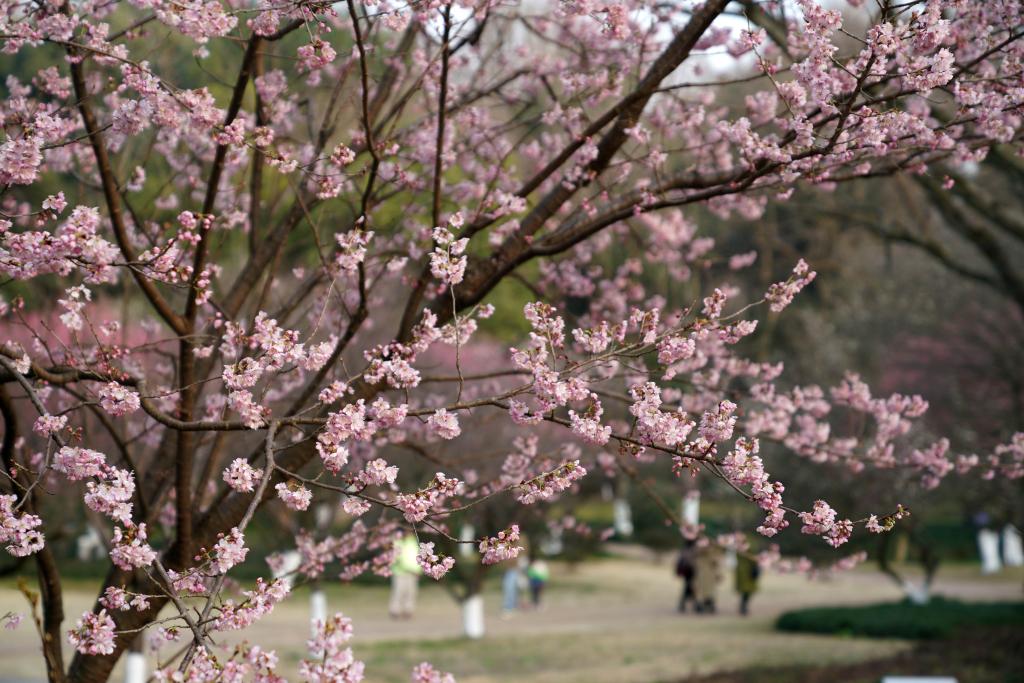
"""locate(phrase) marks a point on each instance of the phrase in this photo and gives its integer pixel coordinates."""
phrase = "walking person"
(707, 577)
(537, 574)
(513, 578)
(685, 570)
(405, 572)
(747, 573)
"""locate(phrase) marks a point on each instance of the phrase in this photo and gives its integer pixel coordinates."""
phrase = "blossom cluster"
(433, 565)
(335, 661)
(495, 549)
(19, 532)
(448, 260)
(416, 506)
(550, 484)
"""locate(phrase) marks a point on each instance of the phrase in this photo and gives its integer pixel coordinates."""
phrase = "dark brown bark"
(47, 574)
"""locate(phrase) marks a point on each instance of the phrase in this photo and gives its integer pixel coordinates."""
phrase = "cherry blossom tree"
(222, 298)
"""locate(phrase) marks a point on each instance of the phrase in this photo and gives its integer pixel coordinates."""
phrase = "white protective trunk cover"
(623, 517)
(473, 616)
(988, 548)
(135, 667)
(691, 508)
(317, 611)
(1013, 548)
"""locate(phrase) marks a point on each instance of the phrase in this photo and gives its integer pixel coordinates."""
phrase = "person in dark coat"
(686, 567)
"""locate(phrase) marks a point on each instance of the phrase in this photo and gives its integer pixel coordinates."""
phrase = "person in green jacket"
(537, 574)
(747, 574)
(405, 572)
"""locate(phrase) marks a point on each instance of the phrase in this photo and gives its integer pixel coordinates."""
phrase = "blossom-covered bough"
(269, 292)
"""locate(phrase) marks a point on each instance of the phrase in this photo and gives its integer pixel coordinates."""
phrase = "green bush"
(940, 618)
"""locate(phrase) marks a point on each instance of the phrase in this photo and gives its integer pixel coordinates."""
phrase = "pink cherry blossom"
(295, 496)
(129, 548)
(79, 463)
(47, 425)
(118, 400)
(502, 547)
(93, 634)
(433, 565)
(425, 673)
(241, 476)
(19, 532)
(444, 424)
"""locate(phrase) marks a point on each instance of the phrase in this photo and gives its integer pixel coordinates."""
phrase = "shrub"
(940, 618)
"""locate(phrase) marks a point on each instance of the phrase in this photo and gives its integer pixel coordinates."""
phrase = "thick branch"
(113, 200)
(483, 275)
